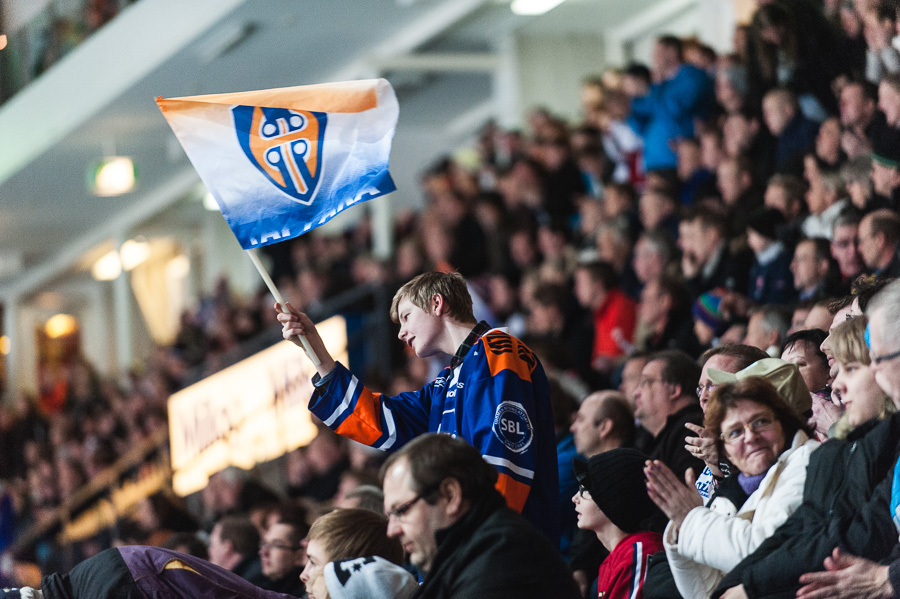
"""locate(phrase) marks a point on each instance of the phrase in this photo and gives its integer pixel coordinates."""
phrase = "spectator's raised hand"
(703, 446)
(673, 497)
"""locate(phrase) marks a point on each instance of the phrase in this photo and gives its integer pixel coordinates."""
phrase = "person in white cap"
(367, 578)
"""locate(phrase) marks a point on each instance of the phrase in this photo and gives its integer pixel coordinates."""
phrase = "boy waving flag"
(494, 394)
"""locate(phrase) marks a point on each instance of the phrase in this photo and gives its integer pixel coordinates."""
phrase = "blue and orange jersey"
(497, 399)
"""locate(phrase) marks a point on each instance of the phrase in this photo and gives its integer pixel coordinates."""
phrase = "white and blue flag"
(280, 162)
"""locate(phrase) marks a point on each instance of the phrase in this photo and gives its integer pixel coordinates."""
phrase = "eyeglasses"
(646, 382)
(756, 426)
(845, 243)
(883, 357)
(400, 511)
(270, 545)
(708, 387)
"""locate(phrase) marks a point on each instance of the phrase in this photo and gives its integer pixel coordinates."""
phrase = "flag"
(280, 162)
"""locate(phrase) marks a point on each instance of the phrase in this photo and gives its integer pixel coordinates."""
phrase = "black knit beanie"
(615, 480)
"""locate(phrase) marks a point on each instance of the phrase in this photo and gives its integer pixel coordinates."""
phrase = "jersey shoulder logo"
(498, 343)
(284, 145)
(513, 426)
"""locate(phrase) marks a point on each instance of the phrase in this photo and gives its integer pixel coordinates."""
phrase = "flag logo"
(284, 145)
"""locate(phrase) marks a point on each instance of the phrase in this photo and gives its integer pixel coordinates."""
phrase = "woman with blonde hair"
(863, 399)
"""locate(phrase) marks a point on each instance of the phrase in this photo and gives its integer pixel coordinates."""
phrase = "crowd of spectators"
(54, 32)
(703, 202)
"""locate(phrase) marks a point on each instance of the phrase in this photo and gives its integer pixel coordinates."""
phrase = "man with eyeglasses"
(283, 557)
(443, 507)
(844, 245)
(665, 402)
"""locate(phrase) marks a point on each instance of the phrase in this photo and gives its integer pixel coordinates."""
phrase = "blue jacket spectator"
(667, 109)
(771, 280)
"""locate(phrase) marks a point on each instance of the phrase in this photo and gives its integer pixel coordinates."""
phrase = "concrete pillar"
(382, 226)
(123, 314)
(10, 329)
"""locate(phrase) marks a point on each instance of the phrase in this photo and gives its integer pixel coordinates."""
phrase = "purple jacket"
(138, 572)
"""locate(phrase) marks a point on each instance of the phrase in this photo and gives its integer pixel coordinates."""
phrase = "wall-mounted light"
(178, 267)
(108, 267)
(133, 253)
(3, 41)
(112, 176)
(533, 7)
(60, 325)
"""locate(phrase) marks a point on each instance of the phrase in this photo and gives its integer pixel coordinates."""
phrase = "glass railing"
(53, 32)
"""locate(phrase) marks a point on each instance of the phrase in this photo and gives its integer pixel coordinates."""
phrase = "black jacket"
(493, 553)
(731, 270)
(668, 445)
(289, 584)
(845, 503)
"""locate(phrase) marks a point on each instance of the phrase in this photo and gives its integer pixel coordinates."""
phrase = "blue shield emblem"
(284, 145)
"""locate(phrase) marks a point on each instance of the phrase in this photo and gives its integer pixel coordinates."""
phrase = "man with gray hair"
(652, 256)
(767, 329)
(883, 337)
(844, 246)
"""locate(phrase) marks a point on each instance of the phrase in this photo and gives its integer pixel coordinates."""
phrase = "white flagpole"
(278, 298)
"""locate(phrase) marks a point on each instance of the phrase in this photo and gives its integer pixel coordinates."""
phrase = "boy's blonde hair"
(449, 285)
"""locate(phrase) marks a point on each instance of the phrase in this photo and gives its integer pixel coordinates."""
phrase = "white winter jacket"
(714, 540)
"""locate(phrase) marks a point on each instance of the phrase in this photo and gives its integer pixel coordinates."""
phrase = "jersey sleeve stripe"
(391, 426)
(509, 466)
(345, 402)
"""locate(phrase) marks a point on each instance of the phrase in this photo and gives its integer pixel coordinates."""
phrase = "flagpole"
(278, 298)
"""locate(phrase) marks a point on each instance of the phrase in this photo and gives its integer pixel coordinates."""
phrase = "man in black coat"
(665, 401)
(441, 504)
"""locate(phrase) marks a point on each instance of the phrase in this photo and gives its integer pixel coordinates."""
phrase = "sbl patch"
(284, 145)
(513, 427)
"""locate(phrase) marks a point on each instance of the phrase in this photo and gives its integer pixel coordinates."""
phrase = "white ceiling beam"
(111, 228)
(411, 37)
(439, 62)
(649, 19)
